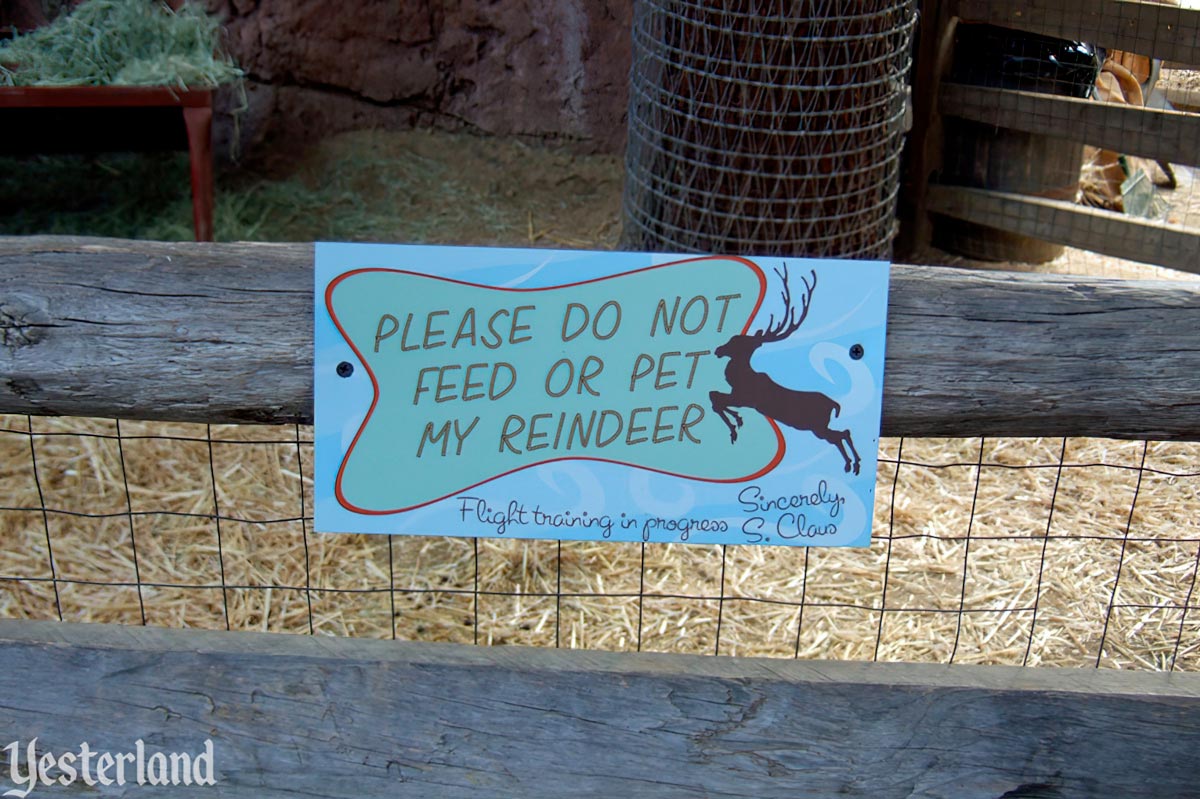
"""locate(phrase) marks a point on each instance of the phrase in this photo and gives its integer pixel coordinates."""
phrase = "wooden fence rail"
(1171, 136)
(1136, 26)
(223, 333)
(293, 716)
(1074, 225)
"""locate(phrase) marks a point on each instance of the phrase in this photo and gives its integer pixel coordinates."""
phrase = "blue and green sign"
(576, 395)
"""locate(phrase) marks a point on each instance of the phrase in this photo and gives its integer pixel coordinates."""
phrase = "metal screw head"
(345, 369)
(856, 352)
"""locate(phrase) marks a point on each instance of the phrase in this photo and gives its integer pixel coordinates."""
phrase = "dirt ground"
(1013, 551)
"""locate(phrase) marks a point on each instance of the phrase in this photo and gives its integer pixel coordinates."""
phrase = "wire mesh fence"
(766, 128)
(1079, 552)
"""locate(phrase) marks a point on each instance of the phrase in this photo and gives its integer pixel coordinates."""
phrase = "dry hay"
(930, 556)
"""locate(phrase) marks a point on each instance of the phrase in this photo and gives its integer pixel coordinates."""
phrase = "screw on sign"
(802, 410)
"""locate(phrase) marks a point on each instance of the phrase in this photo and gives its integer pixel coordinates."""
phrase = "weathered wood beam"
(1170, 136)
(223, 333)
(1094, 229)
(184, 332)
(1163, 31)
(294, 716)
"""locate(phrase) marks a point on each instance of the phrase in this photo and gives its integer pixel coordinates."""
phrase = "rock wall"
(552, 69)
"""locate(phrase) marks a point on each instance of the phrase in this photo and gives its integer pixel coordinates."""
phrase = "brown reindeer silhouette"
(802, 410)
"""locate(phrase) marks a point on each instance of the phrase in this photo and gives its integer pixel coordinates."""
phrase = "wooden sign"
(599, 396)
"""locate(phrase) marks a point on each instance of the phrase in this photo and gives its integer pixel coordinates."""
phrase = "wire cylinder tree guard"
(766, 127)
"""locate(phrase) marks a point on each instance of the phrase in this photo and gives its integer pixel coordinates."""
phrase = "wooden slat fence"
(1146, 28)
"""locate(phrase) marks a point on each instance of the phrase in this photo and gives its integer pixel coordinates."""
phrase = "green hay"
(120, 43)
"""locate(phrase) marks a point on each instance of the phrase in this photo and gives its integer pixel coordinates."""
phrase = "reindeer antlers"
(789, 324)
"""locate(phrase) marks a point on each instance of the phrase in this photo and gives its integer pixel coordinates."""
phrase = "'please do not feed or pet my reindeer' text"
(586, 378)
